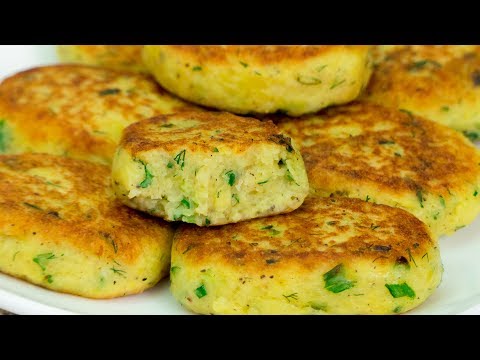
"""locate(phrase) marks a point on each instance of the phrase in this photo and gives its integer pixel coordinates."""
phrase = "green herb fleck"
(174, 269)
(4, 138)
(397, 309)
(170, 165)
(475, 193)
(197, 68)
(418, 65)
(337, 83)
(411, 258)
(245, 65)
(32, 206)
(185, 203)
(230, 177)
(290, 178)
(442, 201)
(320, 68)
(257, 73)
(400, 290)
(235, 197)
(118, 271)
(109, 92)
(472, 135)
(331, 223)
(373, 227)
(189, 247)
(317, 306)
(215, 149)
(268, 227)
(420, 197)
(445, 108)
(201, 291)
(335, 280)
(459, 227)
(293, 296)
(43, 259)
(207, 221)
(148, 176)
(273, 231)
(49, 279)
(262, 182)
(15, 255)
(386, 142)
(308, 80)
(408, 112)
(367, 198)
(180, 158)
(398, 154)
(168, 125)
(426, 254)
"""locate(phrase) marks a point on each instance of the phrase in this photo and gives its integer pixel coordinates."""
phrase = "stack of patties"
(61, 226)
(331, 255)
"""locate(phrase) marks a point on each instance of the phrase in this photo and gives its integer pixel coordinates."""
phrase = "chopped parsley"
(201, 291)
(273, 231)
(42, 260)
(3, 136)
(207, 221)
(180, 158)
(445, 108)
(174, 269)
(185, 203)
(109, 92)
(170, 165)
(475, 193)
(49, 279)
(400, 290)
(471, 135)
(215, 149)
(420, 197)
(197, 68)
(148, 176)
(335, 280)
(230, 177)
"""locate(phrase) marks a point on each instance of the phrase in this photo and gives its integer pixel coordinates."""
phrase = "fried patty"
(391, 157)
(438, 82)
(331, 256)
(208, 168)
(77, 111)
(61, 228)
(261, 79)
(118, 57)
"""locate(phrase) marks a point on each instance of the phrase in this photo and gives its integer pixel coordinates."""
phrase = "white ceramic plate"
(459, 292)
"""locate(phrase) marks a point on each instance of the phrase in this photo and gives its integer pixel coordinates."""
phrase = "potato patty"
(391, 157)
(208, 168)
(261, 79)
(118, 57)
(331, 256)
(61, 228)
(75, 110)
(440, 83)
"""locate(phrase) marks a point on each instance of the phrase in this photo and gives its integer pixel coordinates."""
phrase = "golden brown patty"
(118, 57)
(331, 256)
(62, 229)
(208, 168)
(261, 79)
(441, 83)
(75, 110)
(394, 158)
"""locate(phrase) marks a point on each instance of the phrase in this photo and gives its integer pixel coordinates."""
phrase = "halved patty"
(438, 82)
(208, 168)
(75, 110)
(391, 157)
(118, 57)
(61, 228)
(261, 79)
(331, 256)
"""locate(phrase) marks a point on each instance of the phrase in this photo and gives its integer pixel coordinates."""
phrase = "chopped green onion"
(400, 290)
(335, 280)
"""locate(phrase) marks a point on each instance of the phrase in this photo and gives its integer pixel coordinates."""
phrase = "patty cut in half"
(439, 82)
(331, 256)
(77, 111)
(261, 79)
(394, 158)
(118, 57)
(208, 168)
(62, 228)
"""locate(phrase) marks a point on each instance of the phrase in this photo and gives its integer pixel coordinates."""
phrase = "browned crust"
(427, 77)
(83, 215)
(372, 232)
(435, 158)
(26, 102)
(212, 129)
(112, 55)
(260, 54)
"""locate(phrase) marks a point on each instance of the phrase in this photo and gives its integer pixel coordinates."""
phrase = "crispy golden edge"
(103, 227)
(395, 234)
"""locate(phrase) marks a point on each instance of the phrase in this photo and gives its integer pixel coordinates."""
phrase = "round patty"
(61, 228)
(331, 256)
(76, 110)
(438, 82)
(391, 157)
(208, 168)
(118, 57)
(261, 79)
